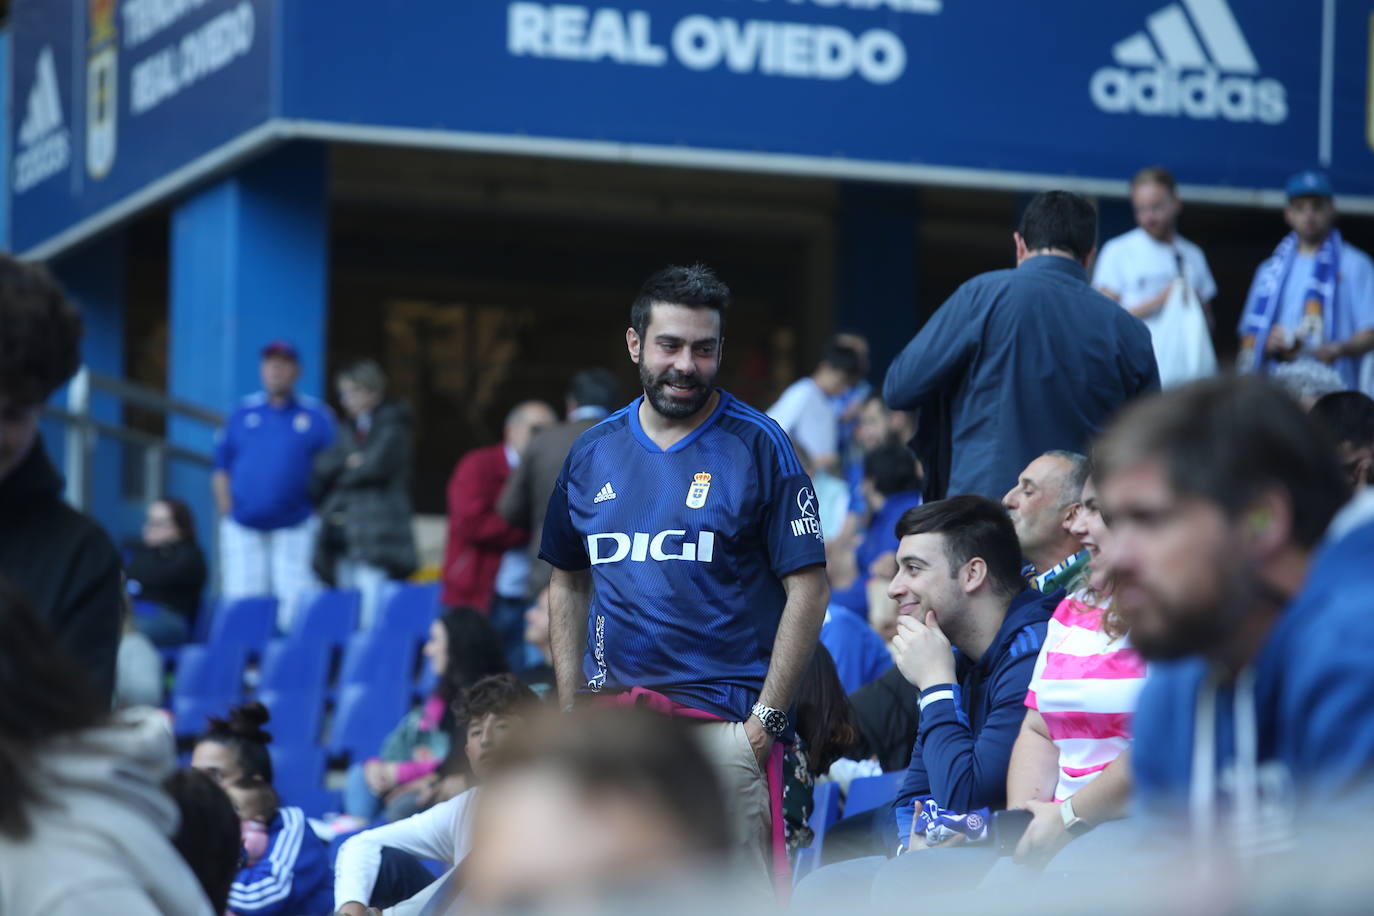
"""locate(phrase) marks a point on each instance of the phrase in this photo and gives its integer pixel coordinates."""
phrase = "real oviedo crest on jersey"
(696, 493)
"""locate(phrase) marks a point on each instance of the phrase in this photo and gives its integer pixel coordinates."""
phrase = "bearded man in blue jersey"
(688, 561)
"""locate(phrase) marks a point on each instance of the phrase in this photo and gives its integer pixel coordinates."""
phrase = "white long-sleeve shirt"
(444, 832)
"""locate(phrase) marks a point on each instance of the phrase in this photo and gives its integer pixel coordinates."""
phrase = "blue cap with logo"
(1308, 184)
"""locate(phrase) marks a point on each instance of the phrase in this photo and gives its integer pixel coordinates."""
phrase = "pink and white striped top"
(1085, 686)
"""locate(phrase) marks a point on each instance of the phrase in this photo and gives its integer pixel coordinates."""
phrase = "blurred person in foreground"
(59, 559)
(84, 823)
(592, 394)
(1163, 279)
(209, 835)
(600, 808)
(261, 482)
(689, 492)
(1313, 298)
(166, 573)
(1021, 361)
(1348, 416)
(1258, 714)
(489, 714)
(361, 484)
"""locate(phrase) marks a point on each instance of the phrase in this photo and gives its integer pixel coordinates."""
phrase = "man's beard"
(1197, 626)
(673, 407)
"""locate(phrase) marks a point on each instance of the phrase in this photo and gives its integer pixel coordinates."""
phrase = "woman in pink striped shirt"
(1070, 766)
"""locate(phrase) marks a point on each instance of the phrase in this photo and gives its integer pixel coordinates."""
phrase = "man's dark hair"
(46, 695)
(1227, 440)
(40, 333)
(892, 469)
(594, 388)
(497, 694)
(1347, 415)
(696, 287)
(973, 526)
(1155, 174)
(842, 359)
(242, 732)
(1060, 220)
(208, 836)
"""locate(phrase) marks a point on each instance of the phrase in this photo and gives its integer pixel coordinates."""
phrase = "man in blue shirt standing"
(688, 561)
(1019, 362)
(263, 458)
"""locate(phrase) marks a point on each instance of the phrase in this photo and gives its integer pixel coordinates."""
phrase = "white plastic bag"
(1183, 344)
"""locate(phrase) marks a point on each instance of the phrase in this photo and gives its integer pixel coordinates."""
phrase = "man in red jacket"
(485, 565)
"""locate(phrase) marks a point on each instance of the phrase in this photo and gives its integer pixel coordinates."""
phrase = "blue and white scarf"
(1322, 313)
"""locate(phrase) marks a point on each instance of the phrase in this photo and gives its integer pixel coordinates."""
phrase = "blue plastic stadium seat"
(298, 776)
(248, 622)
(208, 681)
(410, 609)
(190, 715)
(297, 715)
(378, 656)
(364, 716)
(824, 812)
(330, 617)
(872, 791)
(291, 665)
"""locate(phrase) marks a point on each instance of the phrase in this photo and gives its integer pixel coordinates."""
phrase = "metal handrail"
(84, 429)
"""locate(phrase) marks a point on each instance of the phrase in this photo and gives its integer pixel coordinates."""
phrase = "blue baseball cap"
(1308, 184)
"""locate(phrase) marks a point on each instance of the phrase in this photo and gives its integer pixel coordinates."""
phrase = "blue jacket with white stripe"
(964, 740)
(293, 878)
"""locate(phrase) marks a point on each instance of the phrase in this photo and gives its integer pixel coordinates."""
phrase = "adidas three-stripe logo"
(1196, 64)
(605, 494)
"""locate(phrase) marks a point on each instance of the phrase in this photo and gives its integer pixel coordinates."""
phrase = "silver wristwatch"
(774, 721)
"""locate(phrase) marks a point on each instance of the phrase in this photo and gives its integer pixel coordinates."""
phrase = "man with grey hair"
(1041, 505)
(485, 562)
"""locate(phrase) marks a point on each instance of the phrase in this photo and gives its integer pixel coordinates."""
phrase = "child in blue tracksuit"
(293, 877)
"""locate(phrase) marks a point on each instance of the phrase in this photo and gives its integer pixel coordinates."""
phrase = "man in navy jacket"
(967, 638)
(1019, 362)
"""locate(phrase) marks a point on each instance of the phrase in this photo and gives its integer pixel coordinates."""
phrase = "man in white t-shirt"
(1139, 269)
(805, 412)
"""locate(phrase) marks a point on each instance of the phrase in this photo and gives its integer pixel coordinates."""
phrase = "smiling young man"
(958, 587)
(687, 552)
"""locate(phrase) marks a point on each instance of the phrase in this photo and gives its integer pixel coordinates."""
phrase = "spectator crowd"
(1056, 605)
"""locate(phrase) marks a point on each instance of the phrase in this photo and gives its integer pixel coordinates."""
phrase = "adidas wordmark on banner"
(1191, 60)
(44, 141)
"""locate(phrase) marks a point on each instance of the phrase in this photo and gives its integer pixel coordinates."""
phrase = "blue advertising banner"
(109, 97)
(1231, 95)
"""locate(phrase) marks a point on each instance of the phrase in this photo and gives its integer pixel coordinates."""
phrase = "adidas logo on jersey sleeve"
(1191, 60)
(604, 494)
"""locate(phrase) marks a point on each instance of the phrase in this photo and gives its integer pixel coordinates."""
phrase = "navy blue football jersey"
(686, 549)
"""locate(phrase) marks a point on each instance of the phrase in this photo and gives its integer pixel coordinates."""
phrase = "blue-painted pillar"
(94, 278)
(876, 268)
(249, 264)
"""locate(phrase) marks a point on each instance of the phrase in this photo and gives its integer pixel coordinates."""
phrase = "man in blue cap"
(1313, 299)
(263, 458)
